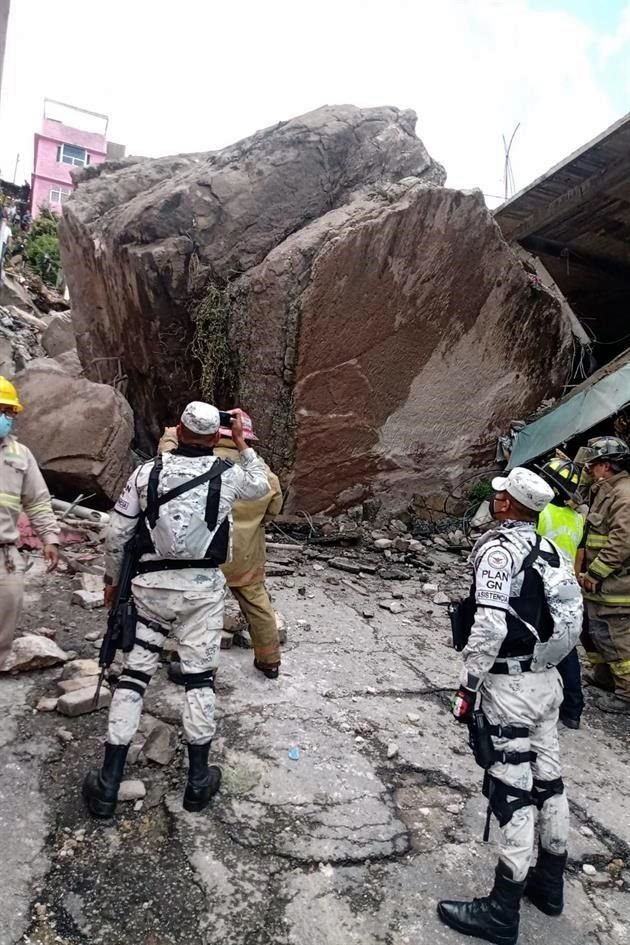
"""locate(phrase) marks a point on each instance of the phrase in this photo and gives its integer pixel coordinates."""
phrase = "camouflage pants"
(188, 604)
(530, 700)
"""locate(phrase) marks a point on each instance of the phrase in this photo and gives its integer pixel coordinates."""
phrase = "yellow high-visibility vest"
(563, 526)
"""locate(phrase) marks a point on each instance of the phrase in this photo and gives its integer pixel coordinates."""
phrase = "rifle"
(121, 620)
(462, 615)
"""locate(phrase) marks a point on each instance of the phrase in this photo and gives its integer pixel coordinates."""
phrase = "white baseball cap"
(526, 487)
(201, 418)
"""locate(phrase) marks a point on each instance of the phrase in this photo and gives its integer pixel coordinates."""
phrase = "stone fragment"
(91, 637)
(80, 668)
(392, 750)
(413, 717)
(47, 632)
(89, 600)
(58, 336)
(92, 583)
(398, 527)
(588, 869)
(402, 545)
(281, 624)
(277, 570)
(394, 606)
(33, 652)
(368, 612)
(441, 598)
(345, 564)
(430, 589)
(47, 704)
(81, 701)
(64, 735)
(394, 574)
(161, 744)
(227, 640)
(383, 543)
(132, 790)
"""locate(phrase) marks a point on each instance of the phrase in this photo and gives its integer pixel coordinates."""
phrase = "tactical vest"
(563, 526)
(530, 607)
(217, 551)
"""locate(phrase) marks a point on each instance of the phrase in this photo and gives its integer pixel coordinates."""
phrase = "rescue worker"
(22, 488)
(564, 526)
(527, 605)
(245, 572)
(184, 500)
(606, 583)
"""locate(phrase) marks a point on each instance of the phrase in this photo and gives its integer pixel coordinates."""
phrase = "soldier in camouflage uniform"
(528, 615)
(185, 498)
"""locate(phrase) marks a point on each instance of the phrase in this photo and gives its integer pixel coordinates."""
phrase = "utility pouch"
(480, 740)
(128, 620)
(462, 616)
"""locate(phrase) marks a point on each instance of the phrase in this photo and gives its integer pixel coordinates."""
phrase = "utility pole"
(508, 176)
(17, 161)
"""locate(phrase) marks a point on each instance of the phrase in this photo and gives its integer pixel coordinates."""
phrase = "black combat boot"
(493, 918)
(270, 670)
(203, 781)
(100, 788)
(545, 883)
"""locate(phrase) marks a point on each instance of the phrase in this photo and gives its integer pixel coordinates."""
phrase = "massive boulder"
(80, 432)
(375, 323)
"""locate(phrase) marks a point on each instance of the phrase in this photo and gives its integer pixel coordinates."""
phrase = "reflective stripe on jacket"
(607, 555)
(564, 527)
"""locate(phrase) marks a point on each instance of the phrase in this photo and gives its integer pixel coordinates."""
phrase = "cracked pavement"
(341, 845)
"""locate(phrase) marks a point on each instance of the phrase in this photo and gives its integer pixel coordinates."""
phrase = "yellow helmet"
(9, 395)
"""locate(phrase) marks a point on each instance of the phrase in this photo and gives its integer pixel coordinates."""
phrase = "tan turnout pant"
(11, 596)
(256, 608)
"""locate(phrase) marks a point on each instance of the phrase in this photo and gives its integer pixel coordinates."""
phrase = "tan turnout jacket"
(608, 542)
(22, 488)
(248, 535)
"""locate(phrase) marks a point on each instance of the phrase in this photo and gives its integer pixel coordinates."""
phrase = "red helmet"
(248, 428)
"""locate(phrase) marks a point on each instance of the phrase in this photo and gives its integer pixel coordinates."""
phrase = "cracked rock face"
(364, 303)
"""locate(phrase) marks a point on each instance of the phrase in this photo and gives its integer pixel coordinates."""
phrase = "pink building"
(70, 138)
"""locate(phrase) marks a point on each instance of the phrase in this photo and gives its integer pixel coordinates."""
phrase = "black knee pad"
(203, 680)
(134, 680)
(498, 793)
(543, 791)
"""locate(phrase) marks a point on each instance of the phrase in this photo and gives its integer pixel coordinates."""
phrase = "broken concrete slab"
(81, 701)
(89, 600)
(77, 682)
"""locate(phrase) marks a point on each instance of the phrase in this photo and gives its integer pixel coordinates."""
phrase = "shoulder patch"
(498, 558)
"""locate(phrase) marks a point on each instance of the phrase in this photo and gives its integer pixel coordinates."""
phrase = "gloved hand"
(463, 704)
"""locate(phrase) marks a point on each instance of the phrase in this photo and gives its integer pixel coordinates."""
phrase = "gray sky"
(194, 75)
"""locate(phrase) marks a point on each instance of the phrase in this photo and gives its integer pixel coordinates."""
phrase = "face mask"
(6, 425)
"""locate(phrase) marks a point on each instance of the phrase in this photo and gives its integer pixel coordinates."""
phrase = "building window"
(71, 154)
(58, 196)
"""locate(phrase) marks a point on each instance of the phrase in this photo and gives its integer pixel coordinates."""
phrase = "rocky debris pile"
(20, 339)
(254, 256)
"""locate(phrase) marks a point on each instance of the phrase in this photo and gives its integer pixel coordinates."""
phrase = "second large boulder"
(79, 431)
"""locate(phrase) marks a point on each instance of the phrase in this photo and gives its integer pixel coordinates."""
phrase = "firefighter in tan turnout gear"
(606, 582)
(184, 500)
(245, 571)
(22, 488)
(527, 610)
